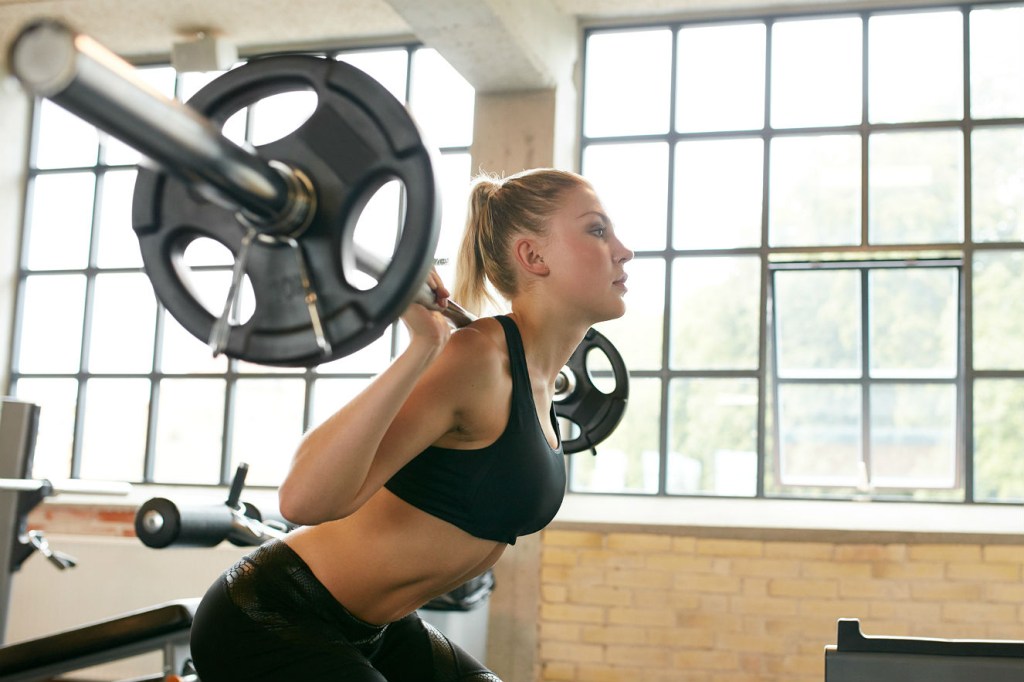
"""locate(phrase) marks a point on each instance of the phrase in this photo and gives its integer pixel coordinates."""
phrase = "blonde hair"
(499, 210)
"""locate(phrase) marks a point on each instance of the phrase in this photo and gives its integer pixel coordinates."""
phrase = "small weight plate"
(596, 413)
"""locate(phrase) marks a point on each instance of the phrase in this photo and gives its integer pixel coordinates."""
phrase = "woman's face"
(585, 257)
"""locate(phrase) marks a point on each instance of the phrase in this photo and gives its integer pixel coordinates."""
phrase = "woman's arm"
(418, 399)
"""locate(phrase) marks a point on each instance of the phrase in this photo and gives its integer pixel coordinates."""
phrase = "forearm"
(332, 461)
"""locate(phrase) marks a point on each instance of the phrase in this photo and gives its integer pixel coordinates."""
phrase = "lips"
(621, 282)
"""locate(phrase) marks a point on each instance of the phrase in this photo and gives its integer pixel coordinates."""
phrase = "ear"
(528, 255)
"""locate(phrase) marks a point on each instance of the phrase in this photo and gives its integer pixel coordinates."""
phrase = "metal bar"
(374, 265)
(53, 61)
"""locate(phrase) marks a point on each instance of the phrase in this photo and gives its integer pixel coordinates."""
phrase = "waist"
(389, 558)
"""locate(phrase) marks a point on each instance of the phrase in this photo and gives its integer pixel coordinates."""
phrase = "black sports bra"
(512, 487)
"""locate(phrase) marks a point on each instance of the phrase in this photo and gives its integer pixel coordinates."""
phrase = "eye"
(598, 230)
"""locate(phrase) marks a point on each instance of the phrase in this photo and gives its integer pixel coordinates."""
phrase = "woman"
(421, 481)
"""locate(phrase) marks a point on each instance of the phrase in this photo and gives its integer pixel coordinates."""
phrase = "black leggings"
(268, 619)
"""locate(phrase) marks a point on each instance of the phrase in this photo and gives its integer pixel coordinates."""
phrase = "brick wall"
(650, 607)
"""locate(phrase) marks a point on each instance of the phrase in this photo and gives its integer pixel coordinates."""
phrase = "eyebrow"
(599, 214)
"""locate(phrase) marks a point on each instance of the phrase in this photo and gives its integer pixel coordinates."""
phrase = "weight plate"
(596, 413)
(358, 138)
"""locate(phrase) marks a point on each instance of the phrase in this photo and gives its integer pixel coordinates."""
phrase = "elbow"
(304, 508)
(295, 507)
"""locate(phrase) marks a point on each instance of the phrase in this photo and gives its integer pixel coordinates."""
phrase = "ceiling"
(495, 44)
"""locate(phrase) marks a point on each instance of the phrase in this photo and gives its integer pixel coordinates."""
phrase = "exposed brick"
(572, 613)
(641, 579)
(803, 589)
(944, 553)
(835, 569)
(706, 660)
(799, 550)
(945, 591)
(730, 548)
(909, 570)
(639, 656)
(717, 584)
(639, 542)
(600, 595)
(641, 617)
(980, 571)
(1004, 553)
(564, 651)
(972, 612)
(573, 538)
(867, 552)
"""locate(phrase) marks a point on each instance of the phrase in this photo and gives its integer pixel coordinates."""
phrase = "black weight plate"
(358, 138)
(595, 412)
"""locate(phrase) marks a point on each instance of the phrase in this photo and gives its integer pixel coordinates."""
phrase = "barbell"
(286, 210)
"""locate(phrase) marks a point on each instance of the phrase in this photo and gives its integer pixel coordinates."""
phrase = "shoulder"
(472, 375)
(479, 349)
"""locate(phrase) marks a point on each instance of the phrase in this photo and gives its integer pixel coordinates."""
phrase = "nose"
(623, 253)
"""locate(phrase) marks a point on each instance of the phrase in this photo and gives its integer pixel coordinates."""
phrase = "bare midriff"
(389, 558)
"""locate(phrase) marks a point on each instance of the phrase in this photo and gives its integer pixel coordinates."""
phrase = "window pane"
(63, 140)
(330, 395)
(266, 427)
(636, 202)
(57, 400)
(637, 335)
(51, 324)
(277, 116)
(117, 247)
(721, 78)
(820, 434)
(998, 440)
(60, 221)
(715, 318)
(916, 187)
(713, 437)
(123, 322)
(816, 72)
(913, 435)
(627, 84)
(997, 62)
(627, 461)
(997, 184)
(925, 49)
(372, 358)
(718, 194)
(114, 434)
(183, 353)
(998, 310)
(189, 431)
(817, 323)
(441, 101)
(454, 172)
(387, 67)
(914, 321)
(815, 191)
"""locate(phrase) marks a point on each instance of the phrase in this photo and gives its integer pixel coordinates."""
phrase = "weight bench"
(163, 627)
(857, 658)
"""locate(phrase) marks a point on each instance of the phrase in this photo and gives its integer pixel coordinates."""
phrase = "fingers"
(441, 293)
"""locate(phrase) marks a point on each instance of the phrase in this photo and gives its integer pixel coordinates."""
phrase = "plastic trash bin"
(461, 614)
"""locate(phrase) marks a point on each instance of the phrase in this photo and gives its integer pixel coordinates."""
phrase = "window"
(126, 392)
(827, 211)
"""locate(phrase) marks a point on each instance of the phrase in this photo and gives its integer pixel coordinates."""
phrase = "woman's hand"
(428, 325)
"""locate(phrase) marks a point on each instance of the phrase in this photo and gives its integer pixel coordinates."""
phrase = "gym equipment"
(286, 211)
(856, 657)
(165, 627)
(160, 523)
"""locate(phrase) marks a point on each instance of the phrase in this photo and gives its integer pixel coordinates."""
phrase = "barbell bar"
(286, 210)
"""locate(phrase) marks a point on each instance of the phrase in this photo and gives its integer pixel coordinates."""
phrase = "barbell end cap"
(42, 57)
